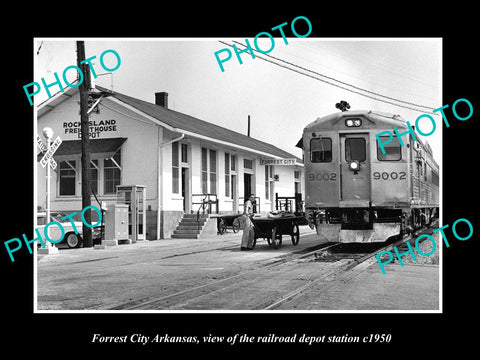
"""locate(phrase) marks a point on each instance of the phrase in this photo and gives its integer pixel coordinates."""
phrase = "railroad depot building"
(181, 160)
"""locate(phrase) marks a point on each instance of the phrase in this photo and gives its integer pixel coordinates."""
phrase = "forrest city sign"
(278, 161)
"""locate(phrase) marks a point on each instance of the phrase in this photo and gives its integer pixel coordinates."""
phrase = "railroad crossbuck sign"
(49, 152)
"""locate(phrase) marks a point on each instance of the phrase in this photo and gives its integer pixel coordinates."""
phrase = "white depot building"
(180, 160)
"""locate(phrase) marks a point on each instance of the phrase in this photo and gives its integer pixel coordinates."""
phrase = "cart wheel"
(295, 234)
(276, 238)
(222, 227)
(236, 225)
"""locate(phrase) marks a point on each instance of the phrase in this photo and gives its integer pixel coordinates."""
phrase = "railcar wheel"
(72, 240)
(236, 225)
(295, 234)
(276, 238)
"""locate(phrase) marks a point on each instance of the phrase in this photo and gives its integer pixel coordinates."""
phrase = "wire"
(342, 82)
(339, 81)
(38, 51)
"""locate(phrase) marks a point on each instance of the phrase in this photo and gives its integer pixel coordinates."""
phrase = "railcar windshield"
(320, 150)
(355, 149)
(393, 151)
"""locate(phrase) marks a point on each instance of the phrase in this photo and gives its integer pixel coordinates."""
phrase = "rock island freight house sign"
(51, 150)
(95, 128)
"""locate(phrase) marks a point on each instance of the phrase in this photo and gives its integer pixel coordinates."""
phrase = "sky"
(280, 102)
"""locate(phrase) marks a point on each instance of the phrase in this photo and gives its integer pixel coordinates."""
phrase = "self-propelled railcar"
(356, 193)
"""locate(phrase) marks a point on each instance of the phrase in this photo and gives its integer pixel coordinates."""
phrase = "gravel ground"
(425, 246)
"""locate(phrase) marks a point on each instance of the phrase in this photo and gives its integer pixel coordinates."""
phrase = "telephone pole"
(86, 193)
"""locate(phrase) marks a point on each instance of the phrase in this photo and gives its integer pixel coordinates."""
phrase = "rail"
(292, 204)
(256, 204)
(206, 202)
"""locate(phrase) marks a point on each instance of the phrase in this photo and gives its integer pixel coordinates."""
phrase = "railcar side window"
(355, 149)
(393, 150)
(320, 150)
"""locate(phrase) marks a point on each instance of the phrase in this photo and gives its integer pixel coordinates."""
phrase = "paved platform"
(99, 279)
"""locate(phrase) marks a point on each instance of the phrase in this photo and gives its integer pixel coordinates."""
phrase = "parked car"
(71, 239)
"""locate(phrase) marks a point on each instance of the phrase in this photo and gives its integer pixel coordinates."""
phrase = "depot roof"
(178, 122)
(183, 123)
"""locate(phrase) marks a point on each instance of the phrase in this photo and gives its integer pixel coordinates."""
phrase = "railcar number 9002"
(322, 177)
(392, 176)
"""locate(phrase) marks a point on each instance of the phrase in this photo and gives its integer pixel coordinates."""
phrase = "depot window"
(393, 150)
(209, 171)
(175, 169)
(355, 149)
(213, 171)
(111, 173)
(67, 175)
(320, 150)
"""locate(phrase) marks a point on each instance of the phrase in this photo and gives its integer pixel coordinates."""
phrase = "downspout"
(160, 177)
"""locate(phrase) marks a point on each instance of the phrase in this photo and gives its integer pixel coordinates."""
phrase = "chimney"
(161, 98)
(248, 128)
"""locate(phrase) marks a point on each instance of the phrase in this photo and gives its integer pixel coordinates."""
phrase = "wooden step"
(184, 236)
(189, 231)
(194, 220)
(190, 226)
(194, 216)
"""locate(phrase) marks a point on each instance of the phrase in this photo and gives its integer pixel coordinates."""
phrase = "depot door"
(187, 199)
(247, 186)
(354, 170)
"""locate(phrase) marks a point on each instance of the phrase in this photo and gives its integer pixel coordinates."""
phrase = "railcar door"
(355, 190)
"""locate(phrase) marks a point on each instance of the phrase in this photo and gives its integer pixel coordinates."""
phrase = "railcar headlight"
(353, 122)
(354, 165)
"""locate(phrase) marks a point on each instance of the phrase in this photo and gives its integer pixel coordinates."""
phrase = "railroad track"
(272, 284)
(345, 272)
(355, 260)
(215, 285)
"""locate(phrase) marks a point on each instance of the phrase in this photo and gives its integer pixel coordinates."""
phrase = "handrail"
(208, 199)
(289, 203)
(203, 204)
(256, 205)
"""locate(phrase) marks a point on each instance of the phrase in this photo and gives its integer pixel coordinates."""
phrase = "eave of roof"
(55, 100)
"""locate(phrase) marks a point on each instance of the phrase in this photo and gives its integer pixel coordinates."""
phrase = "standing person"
(248, 236)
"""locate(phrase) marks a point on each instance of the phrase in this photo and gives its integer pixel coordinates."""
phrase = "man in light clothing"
(248, 230)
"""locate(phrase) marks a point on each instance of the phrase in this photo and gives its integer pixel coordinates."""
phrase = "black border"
(61, 334)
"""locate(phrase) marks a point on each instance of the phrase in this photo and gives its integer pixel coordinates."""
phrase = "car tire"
(72, 240)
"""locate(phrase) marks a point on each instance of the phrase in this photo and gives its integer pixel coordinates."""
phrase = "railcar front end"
(353, 191)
